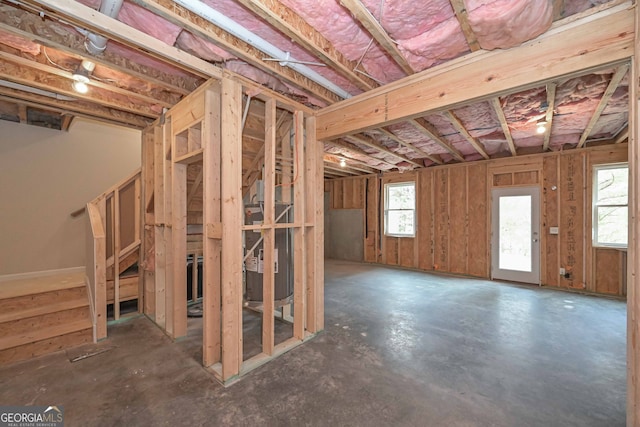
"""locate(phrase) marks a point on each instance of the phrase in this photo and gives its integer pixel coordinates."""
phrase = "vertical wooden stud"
(115, 214)
(268, 276)
(212, 245)
(158, 229)
(231, 166)
(299, 277)
(168, 230)
(178, 305)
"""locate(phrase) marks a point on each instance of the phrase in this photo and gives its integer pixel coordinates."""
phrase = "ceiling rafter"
(495, 103)
(368, 21)
(353, 164)
(432, 133)
(40, 63)
(371, 143)
(457, 124)
(33, 77)
(293, 26)
(463, 19)
(405, 144)
(196, 25)
(355, 150)
(551, 105)
(608, 93)
(79, 108)
(56, 36)
(339, 170)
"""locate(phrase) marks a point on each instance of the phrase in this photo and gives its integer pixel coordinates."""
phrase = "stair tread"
(43, 309)
(37, 285)
(44, 333)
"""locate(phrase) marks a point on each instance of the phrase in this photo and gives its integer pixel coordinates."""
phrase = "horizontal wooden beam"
(608, 93)
(457, 124)
(463, 19)
(368, 21)
(585, 44)
(74, 108)
(196, 25)
(405, 144)
(371, 143)
(497, 107)
(294, 27)
(57, 36)
(429, 130)
(352, 149)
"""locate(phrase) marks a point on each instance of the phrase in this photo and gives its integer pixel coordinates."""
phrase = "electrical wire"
(44, 50)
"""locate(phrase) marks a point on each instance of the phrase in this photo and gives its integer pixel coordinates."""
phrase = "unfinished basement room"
(320, 212)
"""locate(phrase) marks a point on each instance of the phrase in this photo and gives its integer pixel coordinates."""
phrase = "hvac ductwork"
(96, 43)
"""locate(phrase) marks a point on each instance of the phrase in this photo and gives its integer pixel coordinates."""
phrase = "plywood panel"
(477, 253)
(424, 216)
(550, 254)
(336, 194)
(525, 178)
(572, 219)
(406, 251)
(371, 220)
(608, 271)
(347, 194)
(502, 179)
(391, 250)
(441, 216)
(458, 220)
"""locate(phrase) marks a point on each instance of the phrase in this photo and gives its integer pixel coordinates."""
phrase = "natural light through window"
(610, 210)
(399, 209)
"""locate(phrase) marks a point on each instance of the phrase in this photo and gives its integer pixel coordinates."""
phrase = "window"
(399, 209)
(610, 211)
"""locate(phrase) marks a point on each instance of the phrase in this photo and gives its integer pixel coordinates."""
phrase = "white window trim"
(595, 206)
(386, 208)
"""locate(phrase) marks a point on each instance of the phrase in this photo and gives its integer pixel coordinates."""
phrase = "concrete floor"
(400, 348)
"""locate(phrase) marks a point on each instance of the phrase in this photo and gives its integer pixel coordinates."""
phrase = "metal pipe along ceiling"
(232, 27)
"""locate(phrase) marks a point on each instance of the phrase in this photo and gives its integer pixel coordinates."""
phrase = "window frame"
(387, 186)
(594, 206)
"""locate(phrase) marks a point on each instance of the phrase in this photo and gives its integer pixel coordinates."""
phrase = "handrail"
(123, 183)
(95, 220)
(78, 212)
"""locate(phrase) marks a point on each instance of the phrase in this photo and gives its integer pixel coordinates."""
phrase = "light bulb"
(541, 128)
(80, 87)
(343, 163)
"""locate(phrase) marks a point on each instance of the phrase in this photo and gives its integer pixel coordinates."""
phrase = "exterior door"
(515, 237)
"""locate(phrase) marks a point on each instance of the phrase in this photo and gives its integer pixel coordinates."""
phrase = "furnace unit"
(283, 256)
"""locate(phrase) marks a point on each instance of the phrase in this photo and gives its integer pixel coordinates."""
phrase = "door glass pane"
(515, 233)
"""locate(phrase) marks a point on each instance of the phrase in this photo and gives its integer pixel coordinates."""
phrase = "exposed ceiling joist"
(196, 25)
(457, 124)
(622, 136)
(611, 88)
(551, 105)
(368, 21)
(293, 26)
(405, 144)
(340, 171)
(56, 36)
(371, 143)
(17, 72)
(495, 103)
(352, 164)
(350, 148)
(463, 18)
(558, 53)
(558, 9)
(92, 20)
(432, 133)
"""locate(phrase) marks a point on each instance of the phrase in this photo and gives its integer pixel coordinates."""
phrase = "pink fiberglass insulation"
(202, 48)
(501, 24)
(338, 151)
(139, 58)
(335, 23)
(256, 25)
(444, 42)
(19, 43)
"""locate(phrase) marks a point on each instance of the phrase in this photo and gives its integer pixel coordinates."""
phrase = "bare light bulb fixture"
(541, 126)
(81, 76)
(343, 163)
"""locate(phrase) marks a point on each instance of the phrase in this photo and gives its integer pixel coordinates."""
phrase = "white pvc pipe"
(96, 44)
(232, 27)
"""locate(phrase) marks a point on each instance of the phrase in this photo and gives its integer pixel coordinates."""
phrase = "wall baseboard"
(34, 274)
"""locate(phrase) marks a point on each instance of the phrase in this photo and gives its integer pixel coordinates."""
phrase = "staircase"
(42, 315)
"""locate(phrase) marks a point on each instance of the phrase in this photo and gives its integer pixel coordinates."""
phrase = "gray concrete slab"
(400, 348)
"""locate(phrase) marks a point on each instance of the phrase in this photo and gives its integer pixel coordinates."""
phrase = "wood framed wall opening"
(235, 178)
